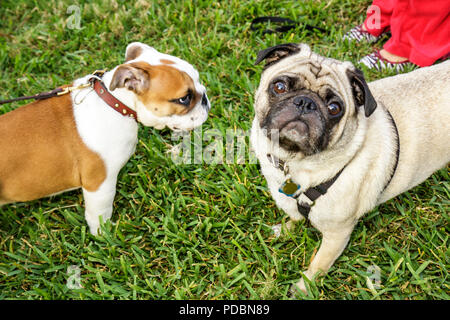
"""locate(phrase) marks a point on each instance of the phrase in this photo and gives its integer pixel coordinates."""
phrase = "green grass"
(197, 231)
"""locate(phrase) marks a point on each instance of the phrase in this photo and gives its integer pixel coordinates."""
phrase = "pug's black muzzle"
(300, 122)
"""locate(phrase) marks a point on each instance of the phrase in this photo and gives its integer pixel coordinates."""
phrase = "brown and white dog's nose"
(205, 102)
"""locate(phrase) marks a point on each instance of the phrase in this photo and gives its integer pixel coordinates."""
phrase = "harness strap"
(314, 193)
(397, 155)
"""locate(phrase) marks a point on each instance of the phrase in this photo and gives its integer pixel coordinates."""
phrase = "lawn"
(200, 230)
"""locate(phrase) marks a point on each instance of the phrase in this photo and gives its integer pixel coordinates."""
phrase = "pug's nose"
(305, 104)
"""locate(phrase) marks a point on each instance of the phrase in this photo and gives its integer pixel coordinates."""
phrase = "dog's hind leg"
(333, 243)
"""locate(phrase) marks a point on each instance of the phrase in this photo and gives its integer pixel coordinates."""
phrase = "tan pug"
(332, 147)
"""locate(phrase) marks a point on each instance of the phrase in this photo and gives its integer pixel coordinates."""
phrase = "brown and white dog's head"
(165, 89)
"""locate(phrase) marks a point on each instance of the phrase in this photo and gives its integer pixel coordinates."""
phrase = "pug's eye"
(280, 87)
(334, 109)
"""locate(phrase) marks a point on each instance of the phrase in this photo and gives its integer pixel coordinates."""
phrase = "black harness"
(292, 189)
(397, 154)
(314, 193)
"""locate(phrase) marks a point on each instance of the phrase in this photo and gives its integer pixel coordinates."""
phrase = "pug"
(332, 147)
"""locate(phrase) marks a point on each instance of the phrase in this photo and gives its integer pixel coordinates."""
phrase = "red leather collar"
(112, 101)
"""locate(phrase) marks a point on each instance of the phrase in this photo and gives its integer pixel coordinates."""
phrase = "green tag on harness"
(289, 188)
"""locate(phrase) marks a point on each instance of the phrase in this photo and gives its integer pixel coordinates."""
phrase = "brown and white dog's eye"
(334, 109)
(185, 101)
(280, 87)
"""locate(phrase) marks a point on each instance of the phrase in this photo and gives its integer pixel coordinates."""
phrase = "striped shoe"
(358, 34)
(377, 62)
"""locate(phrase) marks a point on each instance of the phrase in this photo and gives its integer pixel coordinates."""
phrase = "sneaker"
(358, 34)
(377, 62)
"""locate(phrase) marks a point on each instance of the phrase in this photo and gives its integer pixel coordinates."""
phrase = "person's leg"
(420, 31)
(376, 23)
(379, 16)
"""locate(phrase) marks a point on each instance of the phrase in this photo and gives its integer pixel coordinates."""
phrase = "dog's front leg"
(99, 203)
(333, 243)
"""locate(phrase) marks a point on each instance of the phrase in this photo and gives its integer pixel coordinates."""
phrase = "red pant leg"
(379, 16)
(420, 30)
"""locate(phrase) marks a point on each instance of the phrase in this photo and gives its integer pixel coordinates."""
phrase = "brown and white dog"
(79, 141)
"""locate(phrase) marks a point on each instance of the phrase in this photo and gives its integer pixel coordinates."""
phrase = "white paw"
(94, 228)
(301, 285)
(296, 288)
(93, 223)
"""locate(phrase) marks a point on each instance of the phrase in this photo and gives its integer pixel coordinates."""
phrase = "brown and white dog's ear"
(130, 77)
(361, 92)
(133, 51)
(276, 53)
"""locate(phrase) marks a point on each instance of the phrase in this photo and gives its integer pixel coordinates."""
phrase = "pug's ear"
(361, 92)
(131, 77)
(274, 54)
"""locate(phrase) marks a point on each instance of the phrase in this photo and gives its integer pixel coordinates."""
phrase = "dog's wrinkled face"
(166, 88)
(302, 96)
(304, 118)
